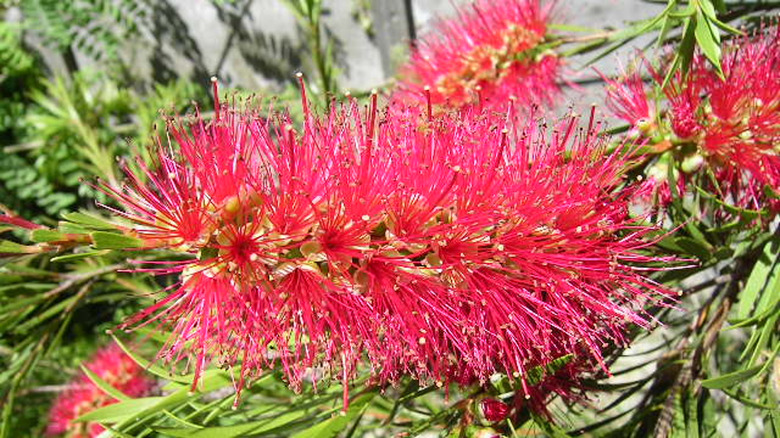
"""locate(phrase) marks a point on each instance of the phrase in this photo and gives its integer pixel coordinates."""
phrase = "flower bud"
(692, 163)
(494, 410)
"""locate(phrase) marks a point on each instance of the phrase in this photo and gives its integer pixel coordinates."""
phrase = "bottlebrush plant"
(447, 247)
(450, 262)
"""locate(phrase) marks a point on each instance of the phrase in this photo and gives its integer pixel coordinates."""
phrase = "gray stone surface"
(609, 14)
(257, 44)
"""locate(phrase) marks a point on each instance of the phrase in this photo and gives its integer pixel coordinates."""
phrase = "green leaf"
(731, 379)
(550, 428)
(771, 294)
(668, 243)
(152, 368)
(8, 247)
(767, 332)
(735, 395)
(709, 9)
(105, 386)
(211, 380)
(667, 24)
(44, 235)
(684, 56)
(8, 408)
(71, 228)
(538, 373)
(332, 426)
(698, 235)
(745, 216)
(694, 247)
(766, 268)
(709, 42)
(121, 411)
(88, 220)
(18, 303)
(770, 397)
(625, 36)
(572, 28)
(719, 5)
(681, 416)
(106, 240)
(79, 256)
(688, 12)
(755, 319)
(38, 318)
(281, 422)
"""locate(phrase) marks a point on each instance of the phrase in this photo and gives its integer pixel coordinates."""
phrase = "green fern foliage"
(97, 28)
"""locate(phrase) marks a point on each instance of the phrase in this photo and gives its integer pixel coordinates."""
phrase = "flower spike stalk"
(443, 246)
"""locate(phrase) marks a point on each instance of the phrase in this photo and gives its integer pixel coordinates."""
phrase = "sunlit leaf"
(731, 379)
(44, 235)
(766, 268)
(91, 221)
(8, 247)
(105, 386)
(79, 256)
(106, 240)
(333, 426)
(121, 411)
(708, 42)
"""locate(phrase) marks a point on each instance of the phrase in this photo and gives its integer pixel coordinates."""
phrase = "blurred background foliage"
(57, 129)
(60, 126)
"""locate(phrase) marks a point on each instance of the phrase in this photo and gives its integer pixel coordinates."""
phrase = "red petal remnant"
(445, 247)
(490, 52)
(117, 369)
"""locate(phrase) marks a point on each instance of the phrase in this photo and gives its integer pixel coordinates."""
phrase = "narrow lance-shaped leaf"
(731, 379)
(708, 42)
(106, 240)
(765, 268)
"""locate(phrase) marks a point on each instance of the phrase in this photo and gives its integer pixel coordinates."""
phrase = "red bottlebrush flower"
(488, 53)
(628, 100)
(116, 368)
(494, 410)
(733, 122)
(446, 247)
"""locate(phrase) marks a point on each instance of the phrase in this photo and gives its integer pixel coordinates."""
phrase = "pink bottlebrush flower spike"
(445, 247)
(490, 52)
(113, 366)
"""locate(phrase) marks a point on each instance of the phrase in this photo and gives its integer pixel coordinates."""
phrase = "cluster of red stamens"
(447, 247)
(729, 126)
